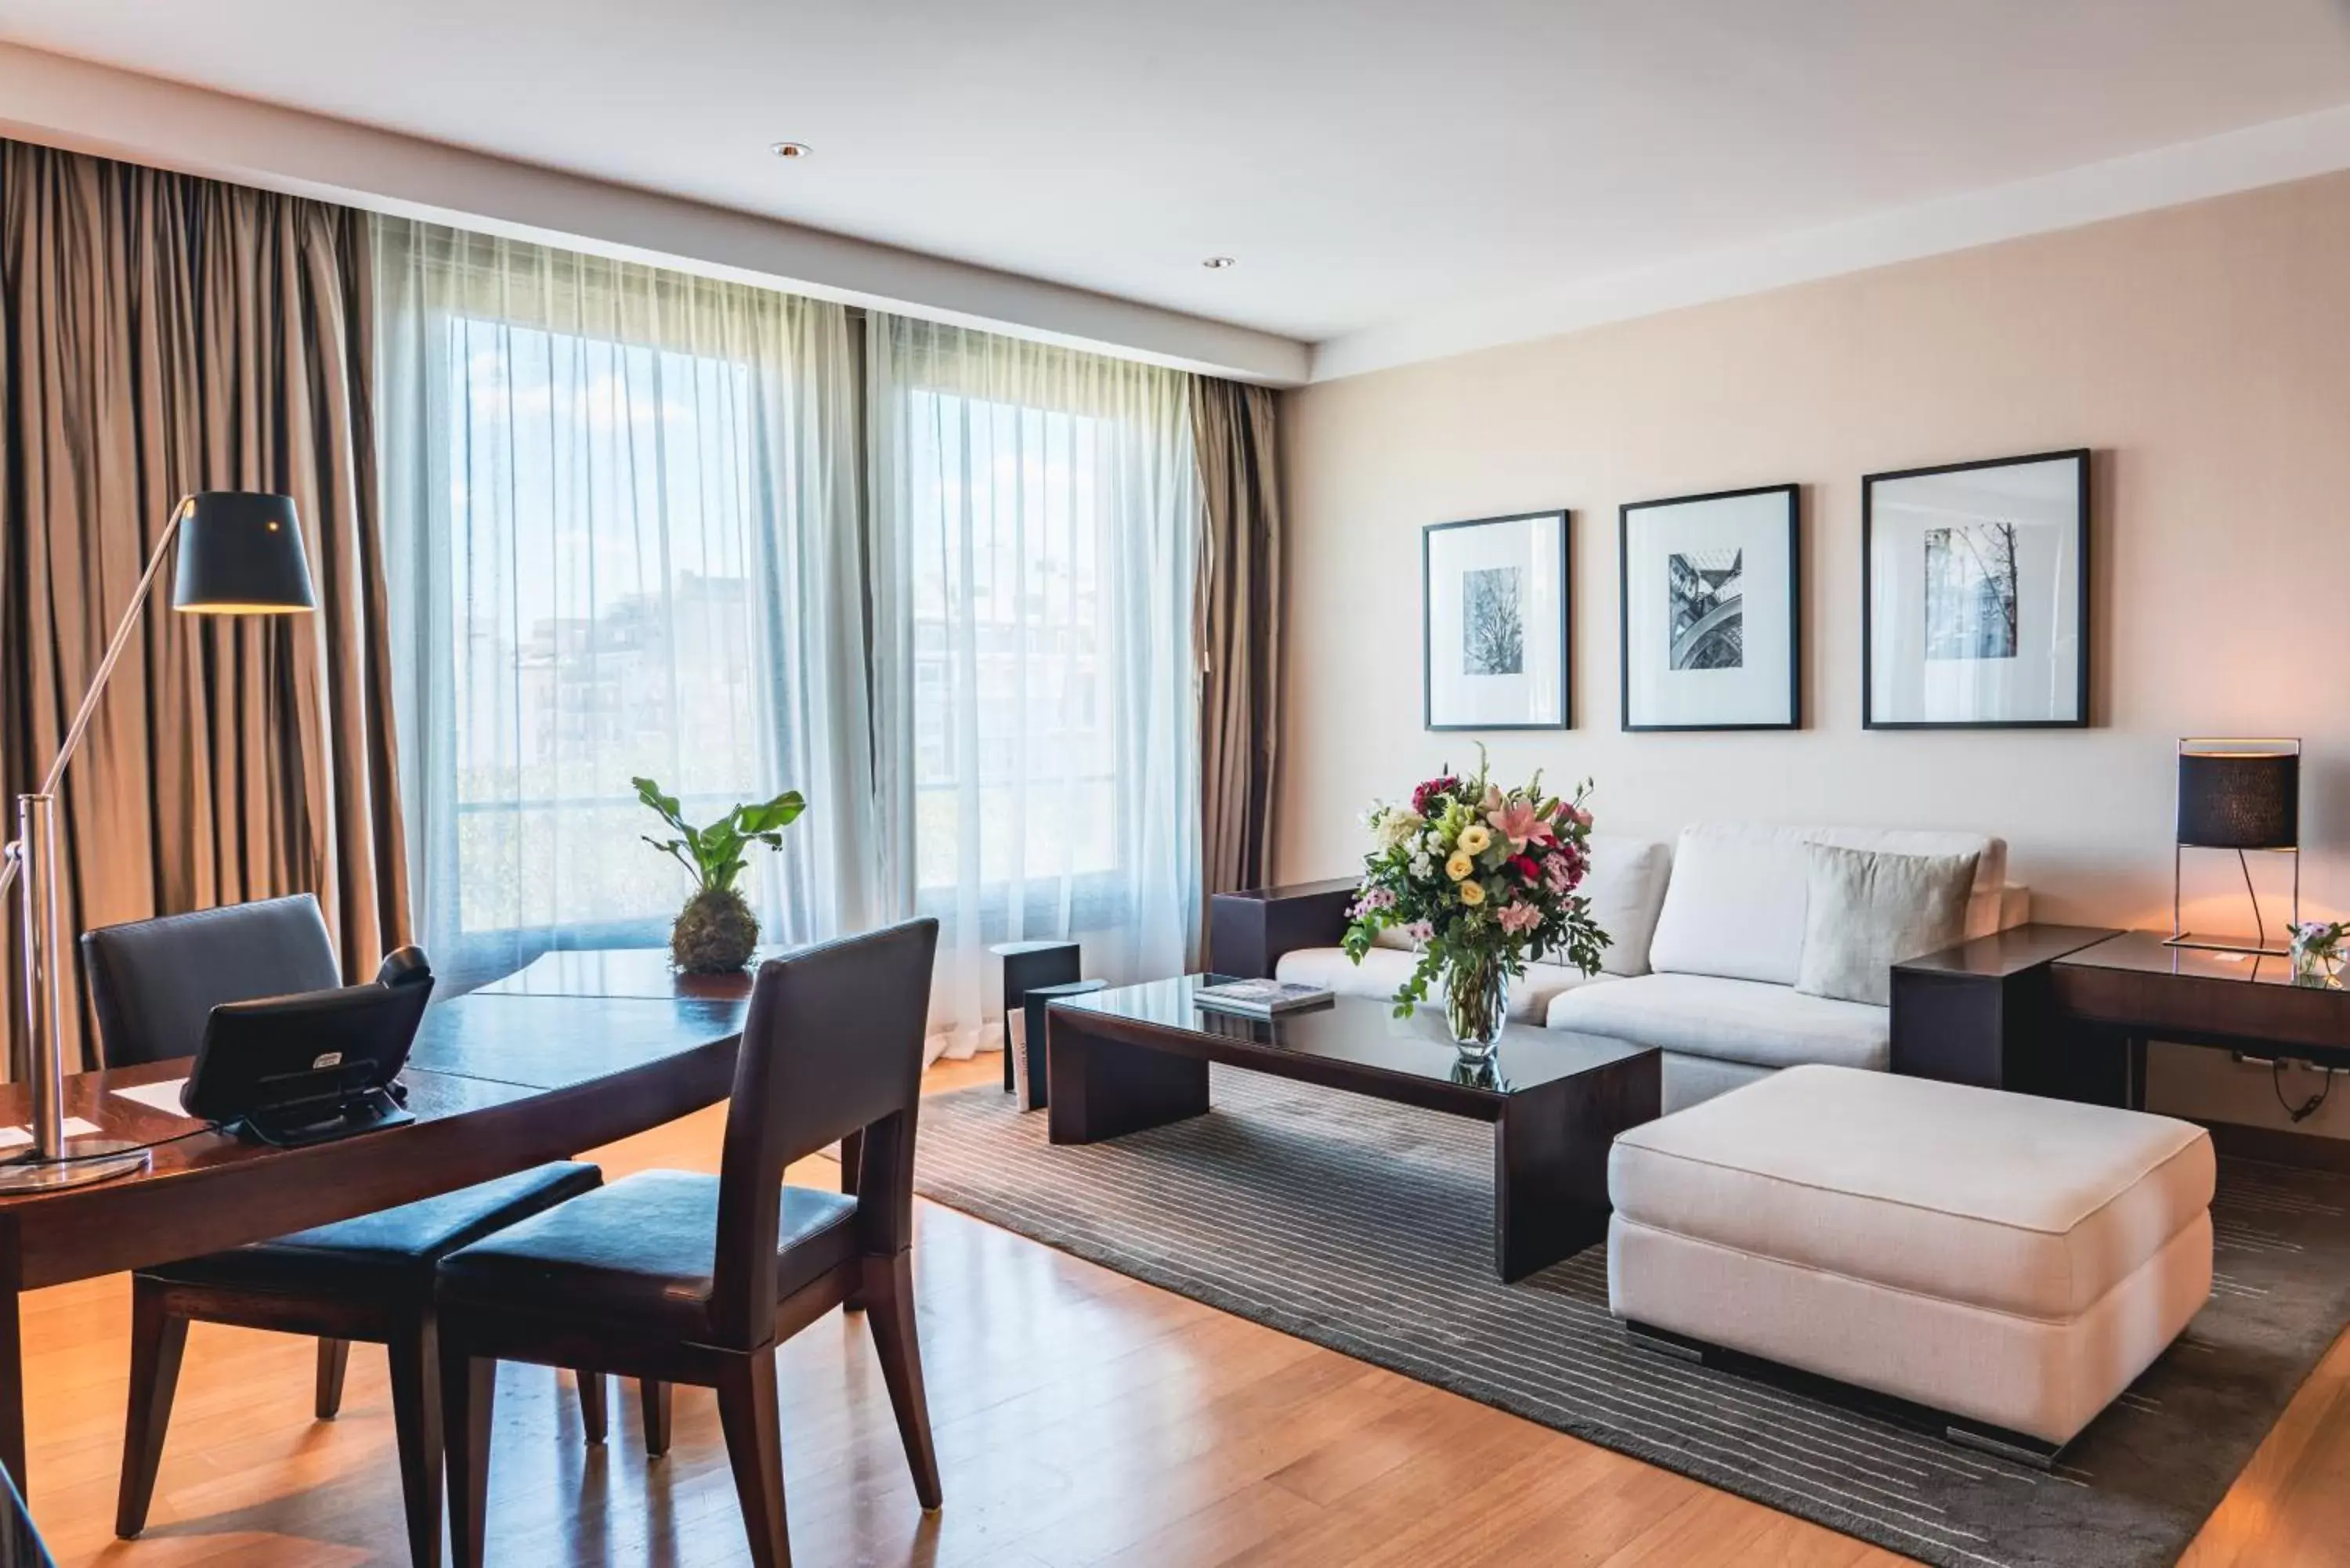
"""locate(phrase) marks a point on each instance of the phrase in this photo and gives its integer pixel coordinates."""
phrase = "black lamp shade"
(2240, 800)
(241, 554)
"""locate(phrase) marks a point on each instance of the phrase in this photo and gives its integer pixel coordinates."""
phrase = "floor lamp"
(240, 554)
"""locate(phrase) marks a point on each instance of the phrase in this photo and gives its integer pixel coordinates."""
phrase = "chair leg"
(469, 1386)
(754, 1448)
(655, 1396)
(157, 1339)
(889, 1312)
(334, 1356)
(593, 1418)
(852, 1167)
(416, 1425)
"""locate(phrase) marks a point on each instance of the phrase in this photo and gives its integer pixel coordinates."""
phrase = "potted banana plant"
(716, 932)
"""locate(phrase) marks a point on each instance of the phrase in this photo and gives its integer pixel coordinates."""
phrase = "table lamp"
(2244, 796)
(240, 554)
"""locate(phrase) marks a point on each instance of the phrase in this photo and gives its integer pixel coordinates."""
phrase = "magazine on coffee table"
(1261, 998)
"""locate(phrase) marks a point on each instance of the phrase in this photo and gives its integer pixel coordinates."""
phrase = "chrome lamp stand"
(240, 554)
(32, 860)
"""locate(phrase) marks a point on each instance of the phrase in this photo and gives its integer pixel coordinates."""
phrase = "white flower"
(1395, 827)
(1423, 865)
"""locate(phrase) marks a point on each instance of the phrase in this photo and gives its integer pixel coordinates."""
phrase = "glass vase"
(2316, 968)
(1476, 1004)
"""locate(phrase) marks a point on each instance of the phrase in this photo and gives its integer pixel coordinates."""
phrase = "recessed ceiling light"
(1218, 263)
(791, 149)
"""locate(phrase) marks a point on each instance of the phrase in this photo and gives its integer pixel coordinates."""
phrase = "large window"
(1015, 743)
(1033, 516)
(615, 547)
(602, 562)
(628, 539)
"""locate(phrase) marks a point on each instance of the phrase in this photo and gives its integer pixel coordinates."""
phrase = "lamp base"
(86, 1161)
(2194, 944)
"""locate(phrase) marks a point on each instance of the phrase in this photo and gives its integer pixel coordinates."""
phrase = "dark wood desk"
(2069, 1011)
(625, 971)
(499, 1081)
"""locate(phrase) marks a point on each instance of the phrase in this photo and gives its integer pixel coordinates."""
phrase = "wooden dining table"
(579, 1050)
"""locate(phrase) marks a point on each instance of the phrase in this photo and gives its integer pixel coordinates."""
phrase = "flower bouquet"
(2317, 951)
(1482, 880)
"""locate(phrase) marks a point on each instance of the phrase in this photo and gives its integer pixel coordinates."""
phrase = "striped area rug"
(1367, 1228)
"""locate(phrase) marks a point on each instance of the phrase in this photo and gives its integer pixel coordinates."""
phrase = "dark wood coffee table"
(1122, 1060)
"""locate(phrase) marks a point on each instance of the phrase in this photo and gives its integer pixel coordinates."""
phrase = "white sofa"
(1708, 938)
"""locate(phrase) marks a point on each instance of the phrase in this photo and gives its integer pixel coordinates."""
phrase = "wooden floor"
(1082, 1418)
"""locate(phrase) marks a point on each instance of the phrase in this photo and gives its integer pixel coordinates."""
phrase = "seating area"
(1039, 785)
(1706, 953)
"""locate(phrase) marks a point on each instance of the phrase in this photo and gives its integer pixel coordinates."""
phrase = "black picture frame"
(2080, 720)
(1565, 518)
(1795, 498)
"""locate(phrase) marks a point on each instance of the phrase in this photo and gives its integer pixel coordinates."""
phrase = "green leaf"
(769, 815)
(667, 804)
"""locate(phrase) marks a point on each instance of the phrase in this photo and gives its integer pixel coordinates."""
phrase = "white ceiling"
(1368, 161)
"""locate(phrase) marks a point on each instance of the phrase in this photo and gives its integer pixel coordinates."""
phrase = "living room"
(1033, 784)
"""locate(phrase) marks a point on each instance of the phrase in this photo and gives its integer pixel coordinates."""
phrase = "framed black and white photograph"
(1975, 595)
(1493, 595)
(1712, 610)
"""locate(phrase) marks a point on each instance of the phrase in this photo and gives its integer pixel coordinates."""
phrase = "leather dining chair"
(154, 985)
(675, 1278)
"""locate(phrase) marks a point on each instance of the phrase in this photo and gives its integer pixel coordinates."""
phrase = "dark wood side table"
(2132, 990)
(1980, 1014)
(1248, 932)
(2069, 1011)
(1027, 965)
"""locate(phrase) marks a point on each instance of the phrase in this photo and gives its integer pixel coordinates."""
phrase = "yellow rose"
(1473, 893)
(1460, 866)
(1474, 839)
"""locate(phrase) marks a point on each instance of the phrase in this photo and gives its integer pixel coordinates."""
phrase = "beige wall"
(2203, 352)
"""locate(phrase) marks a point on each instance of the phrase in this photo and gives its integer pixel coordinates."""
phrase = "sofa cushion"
(1731, 1020)
(2008, 1202)
(1868, 910)
(1383, 969)
(1626, 886)
(1735, 904)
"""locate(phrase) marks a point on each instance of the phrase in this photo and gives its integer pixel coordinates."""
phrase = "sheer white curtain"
(1034, 523)
(623, 541)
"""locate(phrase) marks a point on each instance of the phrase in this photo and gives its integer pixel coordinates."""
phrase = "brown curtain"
(160, 335)
(1238, 627)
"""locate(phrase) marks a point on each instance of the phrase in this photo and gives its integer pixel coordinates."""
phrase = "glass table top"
(1363, 1032)
(2143, 952)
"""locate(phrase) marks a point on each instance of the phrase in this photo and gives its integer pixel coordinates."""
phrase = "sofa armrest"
(1248, 932)
(2014, 905)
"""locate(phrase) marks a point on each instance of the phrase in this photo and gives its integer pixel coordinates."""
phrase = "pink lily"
(1519, 822)
(1519, 917)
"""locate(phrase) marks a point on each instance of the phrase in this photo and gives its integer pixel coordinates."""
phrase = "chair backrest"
(832, 1046)
(155, 982)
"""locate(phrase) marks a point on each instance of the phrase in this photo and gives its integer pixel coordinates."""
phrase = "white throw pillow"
(1866, 911)
(1734, 906)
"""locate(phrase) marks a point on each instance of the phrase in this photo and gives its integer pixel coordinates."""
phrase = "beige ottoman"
(2009, 1262)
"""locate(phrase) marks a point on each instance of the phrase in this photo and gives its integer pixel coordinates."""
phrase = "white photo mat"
(1494, 619)
(1976, 615)
(1712, 627)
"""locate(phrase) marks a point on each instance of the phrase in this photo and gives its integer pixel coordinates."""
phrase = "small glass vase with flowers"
(1483, 880)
